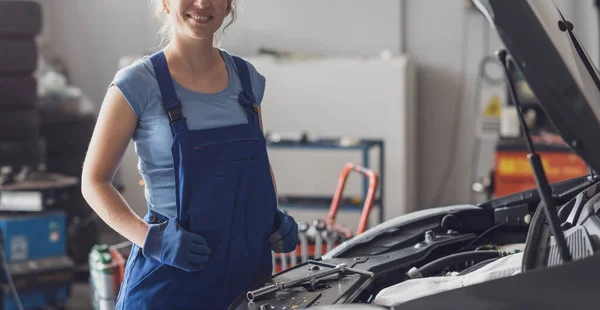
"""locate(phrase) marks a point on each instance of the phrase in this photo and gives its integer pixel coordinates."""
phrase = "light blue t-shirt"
(153, 138)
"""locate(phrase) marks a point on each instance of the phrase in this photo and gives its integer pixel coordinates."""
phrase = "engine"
(428, 252)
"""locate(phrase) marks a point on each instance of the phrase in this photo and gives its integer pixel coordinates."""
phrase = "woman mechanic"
(193, 111)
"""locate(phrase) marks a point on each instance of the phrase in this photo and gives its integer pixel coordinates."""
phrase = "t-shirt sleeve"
(134, 81)
(258, 83)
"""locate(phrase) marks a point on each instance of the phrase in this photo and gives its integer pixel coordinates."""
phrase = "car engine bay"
(434, 251)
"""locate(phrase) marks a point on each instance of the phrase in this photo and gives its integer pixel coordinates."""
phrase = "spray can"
(103, 278)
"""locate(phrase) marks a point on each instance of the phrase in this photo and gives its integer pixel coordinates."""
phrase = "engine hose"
(477, 266)
(457, 258)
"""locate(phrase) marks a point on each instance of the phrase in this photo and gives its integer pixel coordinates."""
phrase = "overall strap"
(171, 103)
(246, 98)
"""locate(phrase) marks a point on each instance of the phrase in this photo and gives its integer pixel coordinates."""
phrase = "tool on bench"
(334, 269)
(293, 258)
(302, 230)
(331, 236)
(320, 227)
(283, 258)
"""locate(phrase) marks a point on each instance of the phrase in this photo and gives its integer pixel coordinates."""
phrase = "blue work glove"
(170, 244)
(285, 237)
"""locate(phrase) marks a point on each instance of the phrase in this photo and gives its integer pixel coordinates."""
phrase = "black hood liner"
(569, 104)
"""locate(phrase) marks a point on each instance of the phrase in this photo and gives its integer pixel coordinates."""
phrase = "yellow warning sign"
(493, 107)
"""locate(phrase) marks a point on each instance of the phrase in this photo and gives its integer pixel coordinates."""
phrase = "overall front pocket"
(228, 152)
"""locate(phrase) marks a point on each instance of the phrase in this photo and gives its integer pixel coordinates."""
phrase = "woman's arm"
(114, 128)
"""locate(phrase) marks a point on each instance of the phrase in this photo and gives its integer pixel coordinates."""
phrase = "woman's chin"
(200, 36)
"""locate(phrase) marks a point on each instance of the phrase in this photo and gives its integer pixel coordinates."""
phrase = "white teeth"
(198, 17)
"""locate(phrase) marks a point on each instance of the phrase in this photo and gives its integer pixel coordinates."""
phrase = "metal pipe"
(283, 258)
(320, 227)
(252, 295)
(302, 229)
(293, 258)
(331, 237)
(343, 266)
(274, 262)
(339, 193)
(340, 268)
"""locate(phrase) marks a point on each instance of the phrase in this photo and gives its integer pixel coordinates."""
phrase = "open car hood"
(556, 67)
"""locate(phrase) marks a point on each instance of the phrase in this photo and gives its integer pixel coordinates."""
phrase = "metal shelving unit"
(348, 203)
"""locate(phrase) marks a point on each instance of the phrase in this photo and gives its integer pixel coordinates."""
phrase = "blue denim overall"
(224, 194)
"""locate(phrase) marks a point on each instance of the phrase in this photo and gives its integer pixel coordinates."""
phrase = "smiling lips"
(199, 18)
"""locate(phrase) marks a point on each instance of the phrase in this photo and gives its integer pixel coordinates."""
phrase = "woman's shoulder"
(135, 80)
(256, 78)
(139, 71)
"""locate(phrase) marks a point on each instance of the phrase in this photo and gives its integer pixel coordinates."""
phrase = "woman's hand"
(170, 244)
(285, 237)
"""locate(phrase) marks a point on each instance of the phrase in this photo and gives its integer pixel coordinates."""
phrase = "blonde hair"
(166, 30)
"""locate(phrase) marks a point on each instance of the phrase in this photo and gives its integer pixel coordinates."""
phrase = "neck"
(193, 55)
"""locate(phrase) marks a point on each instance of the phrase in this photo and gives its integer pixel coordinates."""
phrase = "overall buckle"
(252, 102)
(175, 115)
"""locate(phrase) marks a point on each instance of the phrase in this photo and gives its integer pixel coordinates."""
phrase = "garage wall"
(448, 43)
(93, 35)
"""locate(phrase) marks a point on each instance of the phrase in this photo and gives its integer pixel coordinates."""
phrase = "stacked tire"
(20, 24)
(24, 123)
